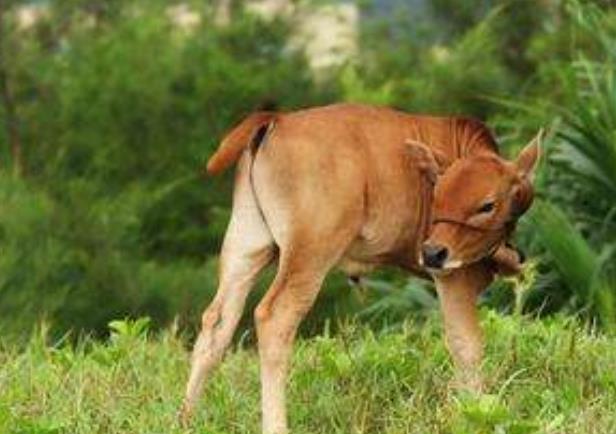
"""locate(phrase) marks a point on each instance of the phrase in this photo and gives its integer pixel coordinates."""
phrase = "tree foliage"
(118, 106)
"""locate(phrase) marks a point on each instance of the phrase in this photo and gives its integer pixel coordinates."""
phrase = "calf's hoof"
(472, 384)
(185, 415)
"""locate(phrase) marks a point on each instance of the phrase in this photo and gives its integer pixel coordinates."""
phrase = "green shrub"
(119, 110)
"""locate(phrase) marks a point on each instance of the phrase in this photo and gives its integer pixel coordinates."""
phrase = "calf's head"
(476, 203)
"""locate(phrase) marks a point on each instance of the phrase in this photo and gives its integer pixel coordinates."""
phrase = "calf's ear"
(529, 156)
(428, 161)
(526, 163)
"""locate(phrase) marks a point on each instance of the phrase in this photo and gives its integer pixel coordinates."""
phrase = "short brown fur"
(356, 187)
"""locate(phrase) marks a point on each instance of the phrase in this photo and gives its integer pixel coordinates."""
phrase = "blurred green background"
(109, 110)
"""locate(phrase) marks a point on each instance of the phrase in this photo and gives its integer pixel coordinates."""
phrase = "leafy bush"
(118, 109)
(572, 229)
(75, 264)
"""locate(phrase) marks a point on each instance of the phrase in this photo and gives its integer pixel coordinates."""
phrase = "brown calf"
(357, 187)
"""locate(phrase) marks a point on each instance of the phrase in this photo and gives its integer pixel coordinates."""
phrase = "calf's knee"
(211, 316)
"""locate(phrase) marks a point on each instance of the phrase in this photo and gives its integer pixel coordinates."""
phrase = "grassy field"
(544, 377)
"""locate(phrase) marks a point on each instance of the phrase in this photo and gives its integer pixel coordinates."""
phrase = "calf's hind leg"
(248, 247)
(277, 317)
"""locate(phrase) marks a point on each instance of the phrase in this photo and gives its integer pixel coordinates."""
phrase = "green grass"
(550, 376)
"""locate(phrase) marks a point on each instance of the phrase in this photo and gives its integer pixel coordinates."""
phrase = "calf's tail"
(250, 132)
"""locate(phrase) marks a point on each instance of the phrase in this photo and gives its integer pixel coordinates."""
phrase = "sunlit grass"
(542, 377)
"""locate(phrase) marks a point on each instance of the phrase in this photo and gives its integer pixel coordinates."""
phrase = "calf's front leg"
(458, 293)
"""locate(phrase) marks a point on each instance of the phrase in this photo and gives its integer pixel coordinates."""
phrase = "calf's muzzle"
(434, 255)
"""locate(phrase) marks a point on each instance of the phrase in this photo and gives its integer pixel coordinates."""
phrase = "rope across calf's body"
(506, 229)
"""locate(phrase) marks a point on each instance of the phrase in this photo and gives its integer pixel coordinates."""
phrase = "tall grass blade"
(576, 261)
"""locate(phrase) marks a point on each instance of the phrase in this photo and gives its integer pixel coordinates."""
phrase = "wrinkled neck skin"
(459, 138)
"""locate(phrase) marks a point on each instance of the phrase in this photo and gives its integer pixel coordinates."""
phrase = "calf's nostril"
(434, 255)
(442, 254)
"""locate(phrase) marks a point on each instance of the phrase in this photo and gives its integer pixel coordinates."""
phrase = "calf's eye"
(486, 208)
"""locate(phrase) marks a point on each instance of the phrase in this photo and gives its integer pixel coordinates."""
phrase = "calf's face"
(476, 204)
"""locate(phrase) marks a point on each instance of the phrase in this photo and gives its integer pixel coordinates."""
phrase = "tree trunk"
(11, 126)
(222, 12)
